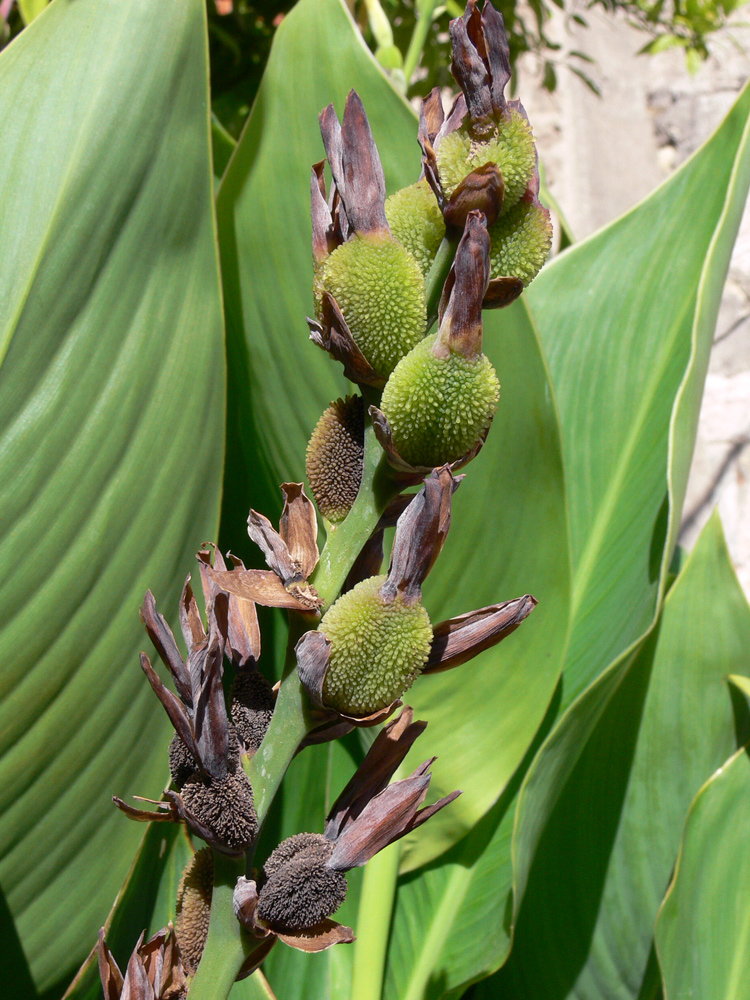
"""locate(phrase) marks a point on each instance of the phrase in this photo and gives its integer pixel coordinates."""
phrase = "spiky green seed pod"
(510, 146)
(378, 648)
(439, 407)
(193, 908)
(520, 242)
(335, 456)
(416, 221)
(380, 290)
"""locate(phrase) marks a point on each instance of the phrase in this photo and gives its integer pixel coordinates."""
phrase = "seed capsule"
(252, 703)
(194, 908)
(302, 891)
(416, 221)
(334, 457)
(378, 647)
(292, 846)
(520, 241)
(510, 145)
(439, 406)
(380, 290)
(225, 807)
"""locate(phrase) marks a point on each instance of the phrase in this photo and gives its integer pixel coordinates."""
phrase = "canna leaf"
(702, 935)
(111, 428)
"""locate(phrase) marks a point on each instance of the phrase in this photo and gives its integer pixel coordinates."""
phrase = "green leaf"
(508, 534)
(111, 425)
(617, 776)
(146, 902)
(255, 987)
(626, 319)
(702, 934)
(222, 145)
(14, 969)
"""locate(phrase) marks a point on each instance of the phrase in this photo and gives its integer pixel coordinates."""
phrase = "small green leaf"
(703, 933)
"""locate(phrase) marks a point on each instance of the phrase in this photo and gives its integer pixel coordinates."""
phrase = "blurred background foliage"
(410, 38)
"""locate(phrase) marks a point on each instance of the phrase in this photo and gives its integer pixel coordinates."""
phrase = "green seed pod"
(225, 807)
(439, 407)
(521, 242)
(416, 220)
(335, 455)
(302, 891)
(193, 908)
(510, 145)
(378, 648)
(252, 704)
(380, 291)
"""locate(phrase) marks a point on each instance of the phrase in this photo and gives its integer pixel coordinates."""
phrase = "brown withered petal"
(190, 620)
(482, 190)
(387, 817)
(178, 714)
(405, 473)
(274, 548)
(313, 656)
(460, 313)
(420, 534)
(255, 959)
(382, 761)
(502, 292)
(298, 528)
(481, 62)
(319, 938)
(322, 221)
(332, 334)
(161, 636)
(243, 631)
(154, 970)
(109, 972)
(363, 189)
(458, 640)
(431, 115)
(265, 588)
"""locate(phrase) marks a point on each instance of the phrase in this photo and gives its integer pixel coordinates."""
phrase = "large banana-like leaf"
(508, 534)
(703, 934)
(626, 319)
(111, 428)
(622, 768)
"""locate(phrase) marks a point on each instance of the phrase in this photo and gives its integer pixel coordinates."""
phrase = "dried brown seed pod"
(292, 846)
(303, 891)
(252, 702)
(193, 908)
(225, 807)
(335, 455)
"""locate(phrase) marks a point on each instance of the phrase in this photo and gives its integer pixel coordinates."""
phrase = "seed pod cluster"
(378, 647)
(225, 807)
(298, 888)
(252, 701)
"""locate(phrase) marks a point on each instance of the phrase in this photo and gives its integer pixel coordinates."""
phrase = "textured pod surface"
(225, 807)
(292, 846)
(302, 892)
(416, 221)
(252, 703)
(335, 455)
(194, 908)
(378, 648)
(520, 242)
(511, 147)
(380, 290)
(438, 408)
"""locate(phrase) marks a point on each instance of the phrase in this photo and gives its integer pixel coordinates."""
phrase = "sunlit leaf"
(111, 425)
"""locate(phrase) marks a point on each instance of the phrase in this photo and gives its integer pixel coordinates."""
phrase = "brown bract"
(291, 553)
(481, 63)
(333, 335)
(154, 971)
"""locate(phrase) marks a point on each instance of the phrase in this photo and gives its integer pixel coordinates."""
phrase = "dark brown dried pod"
(225, 807)
(335, 457)
(193, 908)
(302, 892)
(182, 764)
(292, 846)
(252, 702)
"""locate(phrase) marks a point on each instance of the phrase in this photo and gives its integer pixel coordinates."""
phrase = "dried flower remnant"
(440, 400)
(335, 456)
(193, 908)
(154, 971)
(215, 798)
(369, 289)
(302, 883)
(252, 704)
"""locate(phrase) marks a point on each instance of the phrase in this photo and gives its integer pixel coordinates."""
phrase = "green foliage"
(579, 743)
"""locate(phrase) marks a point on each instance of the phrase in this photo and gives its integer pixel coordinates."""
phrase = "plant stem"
(436, 277)
(227, 946)
(345, 542)
(373, 923)
(419, 36)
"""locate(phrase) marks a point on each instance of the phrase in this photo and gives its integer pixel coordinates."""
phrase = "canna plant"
(519, 441)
